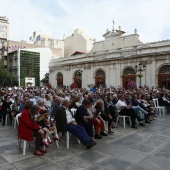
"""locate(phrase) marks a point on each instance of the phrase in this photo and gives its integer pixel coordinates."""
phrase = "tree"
(46, 79)
(6, 78)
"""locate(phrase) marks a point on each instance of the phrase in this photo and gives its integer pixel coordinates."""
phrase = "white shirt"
(69, 116)
(34, 101)
(119, 105)
(47, 102)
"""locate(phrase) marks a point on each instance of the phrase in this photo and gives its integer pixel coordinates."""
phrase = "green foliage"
(29, 66)
(5, 75)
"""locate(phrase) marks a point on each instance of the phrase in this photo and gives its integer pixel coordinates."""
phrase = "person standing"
(6, 108)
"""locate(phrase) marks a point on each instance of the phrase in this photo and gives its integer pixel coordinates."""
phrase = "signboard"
(29, 81)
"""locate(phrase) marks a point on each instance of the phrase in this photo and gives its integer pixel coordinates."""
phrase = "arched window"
(165, 69)
(100, 73)
(129, 71)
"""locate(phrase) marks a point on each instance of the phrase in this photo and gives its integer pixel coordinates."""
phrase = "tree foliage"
(5, 75)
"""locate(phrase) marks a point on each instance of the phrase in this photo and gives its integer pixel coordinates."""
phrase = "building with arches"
(114, 61)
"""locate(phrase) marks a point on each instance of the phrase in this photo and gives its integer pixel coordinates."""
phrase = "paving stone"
(160, 162)
(132, 156)
(35, 163)
(96, 168)
(74, 164)
(143, 148)
(115, 164)
(154, 142)
(8, 167)
(8, 148)
(163, 153)
(94, 156)
(56, 156)
(16, 156)
(109, 149)
(167, 147)
(124, 143)
(3, 161)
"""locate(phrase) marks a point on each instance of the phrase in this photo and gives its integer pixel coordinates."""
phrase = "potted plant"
(140, 75)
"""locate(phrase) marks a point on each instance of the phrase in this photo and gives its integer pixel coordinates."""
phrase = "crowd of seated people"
(95, 116)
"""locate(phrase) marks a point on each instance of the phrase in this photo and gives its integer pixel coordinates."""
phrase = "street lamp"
(139, 68)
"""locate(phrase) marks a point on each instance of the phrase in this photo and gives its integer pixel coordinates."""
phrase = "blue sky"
(58, 17)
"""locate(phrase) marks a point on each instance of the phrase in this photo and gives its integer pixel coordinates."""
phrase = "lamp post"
(139, 68)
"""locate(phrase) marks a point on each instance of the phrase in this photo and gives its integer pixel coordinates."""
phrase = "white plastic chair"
(6, 119)
(124, 119)
(16, 120)
(68, 136)
(159, 109)
(24, 145)
(20, 140)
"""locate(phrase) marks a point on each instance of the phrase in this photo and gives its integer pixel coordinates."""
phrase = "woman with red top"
(27, 126)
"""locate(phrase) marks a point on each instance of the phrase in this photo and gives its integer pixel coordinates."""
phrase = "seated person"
(99, 106)
(65, 122)
(136, 101)
(163, 101)
(98, 122)
(27, 127)
(76, 102)
(125, 109)
(46, 123)
(83, 118)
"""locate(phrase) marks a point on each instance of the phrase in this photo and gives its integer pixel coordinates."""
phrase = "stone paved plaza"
(145, 148)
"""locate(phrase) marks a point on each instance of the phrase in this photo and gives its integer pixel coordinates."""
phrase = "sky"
(61, 17)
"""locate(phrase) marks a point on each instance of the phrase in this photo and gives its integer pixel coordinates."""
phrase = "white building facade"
(47, 41)
(4, 35)
(114, 62)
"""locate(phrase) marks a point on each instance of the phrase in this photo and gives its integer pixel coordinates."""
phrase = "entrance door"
(129, 74)
(100, 82)
(100, 79)
(78, 78)
(127, 78)
(164, 81)
(60, 80)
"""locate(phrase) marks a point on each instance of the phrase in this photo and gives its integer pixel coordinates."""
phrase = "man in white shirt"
(123, 109)
(33, 99)
(47, 101)
(66, 122)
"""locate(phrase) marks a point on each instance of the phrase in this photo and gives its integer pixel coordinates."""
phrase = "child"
(52, 128)
(44, 132)
(46, 123)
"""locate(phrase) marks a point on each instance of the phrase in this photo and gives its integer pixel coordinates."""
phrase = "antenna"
(113, 29)
(63, 36)
(22, 30)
